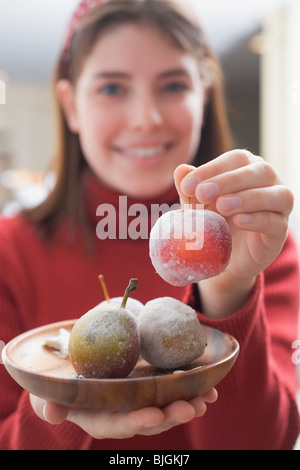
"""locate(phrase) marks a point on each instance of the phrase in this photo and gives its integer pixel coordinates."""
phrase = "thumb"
(181, 172)
(48, 411)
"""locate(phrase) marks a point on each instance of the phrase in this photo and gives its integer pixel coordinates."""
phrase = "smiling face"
(138, 108)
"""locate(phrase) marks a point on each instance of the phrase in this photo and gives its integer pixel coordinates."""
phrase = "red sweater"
(41, 284)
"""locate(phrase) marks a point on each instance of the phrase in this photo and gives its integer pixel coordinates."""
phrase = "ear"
(66, 97)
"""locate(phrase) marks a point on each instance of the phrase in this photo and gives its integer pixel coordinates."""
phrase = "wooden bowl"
(38, 370)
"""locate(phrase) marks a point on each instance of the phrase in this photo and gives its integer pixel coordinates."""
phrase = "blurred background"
(257, 41)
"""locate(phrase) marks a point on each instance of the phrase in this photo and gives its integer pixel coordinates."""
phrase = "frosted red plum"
(190, 245)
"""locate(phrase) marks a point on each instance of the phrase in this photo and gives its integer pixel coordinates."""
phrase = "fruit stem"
(101, 279)
(189, 198)
(130, 288)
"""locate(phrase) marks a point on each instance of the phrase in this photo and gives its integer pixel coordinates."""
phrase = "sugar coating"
(171, 334)
(132, 305)
(187, 246)
(105, 342)
(59, 343)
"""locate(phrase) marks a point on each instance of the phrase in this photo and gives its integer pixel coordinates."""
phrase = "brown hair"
(182, 28)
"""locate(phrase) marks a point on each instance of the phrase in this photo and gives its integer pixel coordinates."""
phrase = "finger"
(179, 174)
(38, 405)
(199, 403)
(272, 225)
(50, 412)
(273, 198)
(211, 396)
(226, 162)
(183, 411)
(175, 414)
(55, 414)
(179, 412)
(259, 174)
(109, 425)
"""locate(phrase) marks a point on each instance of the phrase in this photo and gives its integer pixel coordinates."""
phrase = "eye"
(175, 87)
(111, 89)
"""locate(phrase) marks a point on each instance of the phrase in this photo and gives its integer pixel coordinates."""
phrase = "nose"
(144, 113)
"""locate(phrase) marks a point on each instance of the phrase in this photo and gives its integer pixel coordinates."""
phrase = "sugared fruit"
(171, 334)
(190, 245)
(133, 305)
(105, 342)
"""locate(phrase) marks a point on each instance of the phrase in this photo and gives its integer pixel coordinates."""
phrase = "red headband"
(83, 8)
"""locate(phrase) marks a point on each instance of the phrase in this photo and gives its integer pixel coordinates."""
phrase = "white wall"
(292, 108)
(280, 111)
(280, 94)
(29, 120)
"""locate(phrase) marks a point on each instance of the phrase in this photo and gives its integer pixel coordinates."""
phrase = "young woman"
(140, 103)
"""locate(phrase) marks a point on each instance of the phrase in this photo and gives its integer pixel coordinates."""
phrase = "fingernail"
(189, 184)
(246, 218)
(208, 191)
(231, 202)
(44, 413)
(150, 425)
(175, 423)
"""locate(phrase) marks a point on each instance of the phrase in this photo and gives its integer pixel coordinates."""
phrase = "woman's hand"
(113, 425)
(248, 192)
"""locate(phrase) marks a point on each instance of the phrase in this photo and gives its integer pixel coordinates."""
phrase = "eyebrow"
(111, 75)
(127, 76)
(173, 72)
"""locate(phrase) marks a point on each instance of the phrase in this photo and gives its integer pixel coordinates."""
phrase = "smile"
(144, 152)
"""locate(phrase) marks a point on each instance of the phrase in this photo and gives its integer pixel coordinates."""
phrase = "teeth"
(145, 152)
